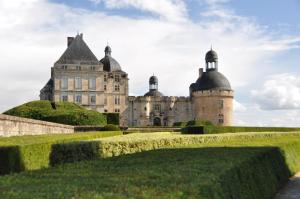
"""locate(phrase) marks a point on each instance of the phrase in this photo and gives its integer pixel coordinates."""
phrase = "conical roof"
(77, 50)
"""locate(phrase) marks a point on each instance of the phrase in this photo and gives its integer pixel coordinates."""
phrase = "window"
(105, 110)
(157, 107)
(93, 67)
(78, 83)
(117, 110)
(105, 101)
(92, 83)
(145, 108)
(64, 97)
(78, 99)
(64, 83)
(105, 78)
(64, 67)
(92, 99)
(78, 67)
(221, 104)
(117, 87)
(105, 87)
(221, 118)
(117, 78)
(117, 100)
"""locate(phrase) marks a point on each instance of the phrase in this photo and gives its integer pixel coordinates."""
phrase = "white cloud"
(279, 92)
(173, 10)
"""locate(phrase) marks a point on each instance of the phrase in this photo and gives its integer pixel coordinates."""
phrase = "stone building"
(155, 109)
(78, 76)
(211, 95)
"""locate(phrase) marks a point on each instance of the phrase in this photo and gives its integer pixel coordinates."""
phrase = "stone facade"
(17, 126)
(78, 76)
(213, 105)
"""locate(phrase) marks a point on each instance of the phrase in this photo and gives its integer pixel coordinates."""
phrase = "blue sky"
(258, 43)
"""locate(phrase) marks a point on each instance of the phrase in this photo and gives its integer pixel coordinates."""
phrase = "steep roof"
(77, 50)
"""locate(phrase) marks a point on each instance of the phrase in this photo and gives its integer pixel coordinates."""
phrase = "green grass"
(223, 166)
(33, 152)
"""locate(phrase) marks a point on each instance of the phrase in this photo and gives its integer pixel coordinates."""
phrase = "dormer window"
(78, 67)
(64, 67)
(93, 68)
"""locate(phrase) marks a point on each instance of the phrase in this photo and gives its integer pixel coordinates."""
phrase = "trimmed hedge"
(136, 142)
(206, 127)
(111, 127)
(19, 155)
(112, 118)
(244, 169)
(60, 112)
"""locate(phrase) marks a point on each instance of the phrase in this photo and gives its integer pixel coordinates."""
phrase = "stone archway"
(157, 121)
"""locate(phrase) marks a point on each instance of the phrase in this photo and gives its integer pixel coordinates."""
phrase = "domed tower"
(109, 63)
(153, 87)
(211, 94)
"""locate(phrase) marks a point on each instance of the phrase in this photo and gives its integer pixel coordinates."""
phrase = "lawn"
(239, 167)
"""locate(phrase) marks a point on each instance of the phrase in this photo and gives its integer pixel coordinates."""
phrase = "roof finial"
(210, 46)
(77, 32)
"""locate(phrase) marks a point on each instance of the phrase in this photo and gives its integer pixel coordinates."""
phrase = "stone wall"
(214, 105)
(17, 126)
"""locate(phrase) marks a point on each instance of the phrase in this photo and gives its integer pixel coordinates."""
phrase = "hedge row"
(254, 168)
(112, 118)
(132, 143)
(31, 155)
(205, 127)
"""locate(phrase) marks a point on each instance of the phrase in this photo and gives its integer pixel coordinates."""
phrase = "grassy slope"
(190, 172)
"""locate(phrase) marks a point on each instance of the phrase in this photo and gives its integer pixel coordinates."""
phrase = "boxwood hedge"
(236, 167)
(206, 127)
(33, 152)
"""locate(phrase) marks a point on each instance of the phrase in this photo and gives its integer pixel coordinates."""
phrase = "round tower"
(211, 94)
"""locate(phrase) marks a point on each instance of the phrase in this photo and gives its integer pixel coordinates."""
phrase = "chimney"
(70, 39)
(200, 72)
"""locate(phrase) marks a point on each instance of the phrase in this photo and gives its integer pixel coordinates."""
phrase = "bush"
(110, 127)
(112, 118)
(60, 112)
(33, 152)
(179, 124)
(193, 130)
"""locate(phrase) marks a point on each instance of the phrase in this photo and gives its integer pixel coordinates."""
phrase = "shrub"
(112, 118)
(179, 124)
(193, 130)
(33, 152)
(60, 112)
(110, 127)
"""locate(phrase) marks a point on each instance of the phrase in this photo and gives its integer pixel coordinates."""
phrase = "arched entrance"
(157, 121)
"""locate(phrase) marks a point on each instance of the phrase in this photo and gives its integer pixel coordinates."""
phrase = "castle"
(79, 77)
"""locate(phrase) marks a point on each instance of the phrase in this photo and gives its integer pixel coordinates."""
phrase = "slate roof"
(154, 93)
(109, 63)
(211, 80)
(77, 51)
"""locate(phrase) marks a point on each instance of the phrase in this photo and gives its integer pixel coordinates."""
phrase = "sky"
(258, 45)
